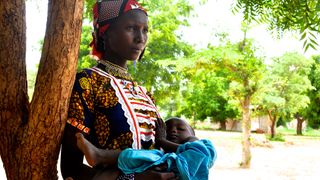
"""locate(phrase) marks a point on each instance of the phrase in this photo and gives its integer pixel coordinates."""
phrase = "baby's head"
(178, 130)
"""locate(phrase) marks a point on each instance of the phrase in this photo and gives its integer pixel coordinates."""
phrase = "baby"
(184, 153)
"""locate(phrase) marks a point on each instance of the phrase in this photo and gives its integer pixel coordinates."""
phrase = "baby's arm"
(161, 138)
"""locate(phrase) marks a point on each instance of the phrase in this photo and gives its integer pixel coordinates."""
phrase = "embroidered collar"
(115, 70)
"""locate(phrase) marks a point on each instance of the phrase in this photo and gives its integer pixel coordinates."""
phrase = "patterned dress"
(112, 110)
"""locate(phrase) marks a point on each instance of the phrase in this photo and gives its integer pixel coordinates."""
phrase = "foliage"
(311, 113)
(31, 78)
(163, 82)
(205, 90)
(282, 15)
(277, 137)
(214, 79)
(165, 17)
(285, 86)
(84, 59)
(242, 68)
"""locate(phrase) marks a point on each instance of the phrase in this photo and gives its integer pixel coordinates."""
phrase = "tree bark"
(300, 121)
(14, 102)
(31, 133)
(273, 123)
(246, 127)
(223, 125)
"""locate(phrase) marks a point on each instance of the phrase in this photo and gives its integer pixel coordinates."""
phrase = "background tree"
(285, 87)
(244, 70)
(30, 133)
(311, 113)
(205, 92)
(84, 59)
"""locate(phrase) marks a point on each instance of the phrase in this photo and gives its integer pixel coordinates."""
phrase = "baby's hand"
(160, 130)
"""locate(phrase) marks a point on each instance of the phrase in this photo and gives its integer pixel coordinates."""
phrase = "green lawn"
(307, 132)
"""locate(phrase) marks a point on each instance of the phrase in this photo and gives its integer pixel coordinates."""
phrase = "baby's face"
(178, 131)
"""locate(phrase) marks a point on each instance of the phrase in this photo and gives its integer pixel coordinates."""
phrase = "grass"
(281, 132)
(306, 132)
(278, 137)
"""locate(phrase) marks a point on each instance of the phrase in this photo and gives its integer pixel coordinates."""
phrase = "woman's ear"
(105, 40)
(100, 44)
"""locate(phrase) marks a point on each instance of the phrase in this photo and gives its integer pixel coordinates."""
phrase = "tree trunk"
(14, 103)
(194, 120)
(223, 125)
(30, 133)
(246, 127)
(273, 123)
(300, 121)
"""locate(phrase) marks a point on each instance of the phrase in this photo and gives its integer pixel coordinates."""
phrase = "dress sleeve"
(81, 107)
(79, 120)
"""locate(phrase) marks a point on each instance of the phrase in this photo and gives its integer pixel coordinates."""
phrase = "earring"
(135, 65)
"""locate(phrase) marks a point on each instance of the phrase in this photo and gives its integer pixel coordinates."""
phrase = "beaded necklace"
(121, 72)
(115, 70)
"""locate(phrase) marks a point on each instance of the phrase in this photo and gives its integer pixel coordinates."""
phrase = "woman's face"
(127, 37)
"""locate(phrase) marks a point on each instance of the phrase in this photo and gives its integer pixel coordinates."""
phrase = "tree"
(244, 70)
(302, 15)
(205, 90)
(311, 113)
(285, 88)
(31, 131)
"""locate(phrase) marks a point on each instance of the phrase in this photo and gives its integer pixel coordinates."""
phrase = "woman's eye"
(130, 28)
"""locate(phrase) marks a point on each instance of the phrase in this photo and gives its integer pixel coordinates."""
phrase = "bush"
(277, 137)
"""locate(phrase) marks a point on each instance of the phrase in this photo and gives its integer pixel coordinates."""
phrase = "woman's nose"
(140, 36)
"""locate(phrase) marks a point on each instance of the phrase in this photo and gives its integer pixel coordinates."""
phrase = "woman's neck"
(116, 60)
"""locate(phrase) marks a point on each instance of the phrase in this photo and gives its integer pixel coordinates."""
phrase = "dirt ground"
(296, 159)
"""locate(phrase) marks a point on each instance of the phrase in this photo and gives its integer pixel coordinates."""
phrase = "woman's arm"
(71, 157)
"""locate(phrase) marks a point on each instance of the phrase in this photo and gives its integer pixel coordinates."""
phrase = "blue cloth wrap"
(191, 161)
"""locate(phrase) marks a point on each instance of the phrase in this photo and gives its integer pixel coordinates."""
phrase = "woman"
(106, 105)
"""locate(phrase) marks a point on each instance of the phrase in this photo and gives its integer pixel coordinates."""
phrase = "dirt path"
(297, 159)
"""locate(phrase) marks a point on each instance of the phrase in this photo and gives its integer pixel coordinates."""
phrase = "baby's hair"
(180, 119)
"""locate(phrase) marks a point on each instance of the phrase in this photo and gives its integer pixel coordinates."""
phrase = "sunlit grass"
(282, 131)
(306, 132)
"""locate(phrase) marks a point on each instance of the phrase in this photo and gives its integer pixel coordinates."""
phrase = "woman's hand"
(155, 175)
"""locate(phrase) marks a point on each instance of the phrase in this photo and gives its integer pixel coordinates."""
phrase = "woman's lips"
(137, 50)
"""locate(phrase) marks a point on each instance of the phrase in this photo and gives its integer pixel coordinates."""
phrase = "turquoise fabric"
(192, 160)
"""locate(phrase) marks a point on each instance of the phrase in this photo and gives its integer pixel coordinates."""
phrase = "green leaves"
(282, 15)
(309, 40)
(286, 85)
(311, 113)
